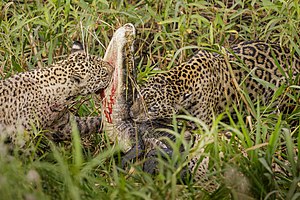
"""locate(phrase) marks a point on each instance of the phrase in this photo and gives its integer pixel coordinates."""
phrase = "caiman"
(118, 96)
(118, 99)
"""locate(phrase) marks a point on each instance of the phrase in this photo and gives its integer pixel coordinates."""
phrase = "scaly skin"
(118, 96)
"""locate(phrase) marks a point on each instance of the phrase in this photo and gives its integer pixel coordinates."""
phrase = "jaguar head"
(89, 72)
(153, 103)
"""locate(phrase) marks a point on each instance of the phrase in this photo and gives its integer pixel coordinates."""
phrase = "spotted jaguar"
(210, 82)
(40, 98)
(205, 85)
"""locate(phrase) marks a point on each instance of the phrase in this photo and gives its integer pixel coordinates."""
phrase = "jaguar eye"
(186, 96)
(152, 108)
(104, 71)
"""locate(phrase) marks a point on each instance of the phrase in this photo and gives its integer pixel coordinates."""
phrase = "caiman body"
(118, 96)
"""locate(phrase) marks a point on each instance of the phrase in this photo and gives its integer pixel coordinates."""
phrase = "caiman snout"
(129, 26)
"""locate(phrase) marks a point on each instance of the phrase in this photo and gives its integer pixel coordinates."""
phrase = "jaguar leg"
(88, 125)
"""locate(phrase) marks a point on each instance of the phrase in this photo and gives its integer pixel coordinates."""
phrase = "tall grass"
(37, 33)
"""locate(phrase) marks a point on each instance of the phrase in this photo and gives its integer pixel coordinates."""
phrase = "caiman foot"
(136, 152)
(150, 165)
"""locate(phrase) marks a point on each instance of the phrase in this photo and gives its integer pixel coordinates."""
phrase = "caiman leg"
(147, 138)
(196, 169)
(137, 151)
(151, 162)
(150, 165)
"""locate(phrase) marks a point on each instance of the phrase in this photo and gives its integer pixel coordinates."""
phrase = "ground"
(36, 33)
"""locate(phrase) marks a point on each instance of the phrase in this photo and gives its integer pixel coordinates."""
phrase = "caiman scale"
(118, 98)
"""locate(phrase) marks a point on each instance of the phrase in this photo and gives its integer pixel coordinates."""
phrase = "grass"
(37, 33)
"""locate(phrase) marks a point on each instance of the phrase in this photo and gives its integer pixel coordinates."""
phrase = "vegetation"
(35, 33)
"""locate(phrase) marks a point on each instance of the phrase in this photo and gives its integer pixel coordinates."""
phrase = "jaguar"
(211, 82)
(40, 98)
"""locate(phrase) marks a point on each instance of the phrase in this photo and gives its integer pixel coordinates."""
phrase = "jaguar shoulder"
(40, 98)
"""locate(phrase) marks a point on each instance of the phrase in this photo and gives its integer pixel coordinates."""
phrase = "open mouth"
(119, 54)
(117, 96)
(98, 92)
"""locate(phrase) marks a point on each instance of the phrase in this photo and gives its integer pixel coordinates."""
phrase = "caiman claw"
(150, 165)
(134, 153)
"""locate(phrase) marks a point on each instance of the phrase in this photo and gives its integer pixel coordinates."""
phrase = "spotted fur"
(209, 82)
(204, 86)
(40, 98)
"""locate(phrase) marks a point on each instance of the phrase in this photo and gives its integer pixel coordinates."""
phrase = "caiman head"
(118, 96)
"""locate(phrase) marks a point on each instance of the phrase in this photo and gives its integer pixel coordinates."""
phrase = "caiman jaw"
(118, 96)
(123, 37)
(120, 55)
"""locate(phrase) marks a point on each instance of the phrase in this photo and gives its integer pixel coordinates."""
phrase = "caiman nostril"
(129, 25)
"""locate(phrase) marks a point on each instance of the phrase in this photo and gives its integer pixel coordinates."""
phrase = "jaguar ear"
(77, 47)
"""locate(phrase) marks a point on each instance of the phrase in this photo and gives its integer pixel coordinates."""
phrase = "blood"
(108, 105)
